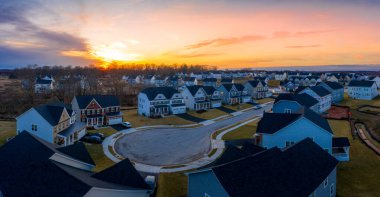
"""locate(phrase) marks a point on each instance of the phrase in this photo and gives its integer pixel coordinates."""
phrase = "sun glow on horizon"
(115, 52)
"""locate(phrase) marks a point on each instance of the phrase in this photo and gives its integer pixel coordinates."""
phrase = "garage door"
(179, 110)
(113, 121)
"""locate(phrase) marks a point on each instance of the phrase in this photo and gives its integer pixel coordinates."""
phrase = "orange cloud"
(226, 41)
(302, 46)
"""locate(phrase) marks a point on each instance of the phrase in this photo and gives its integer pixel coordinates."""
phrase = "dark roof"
(194, 89)
(239, 86)
(52, 112)
(340, 142)
(103, 100)
(334, 85)
(273, 122)
(228, 86)
(122, 173)
(43, 81)
(306, 100)
(254, 83)
(189, 79)
(297, 171)
(77, 151)
(209, 89)
(152, 92)
(321, 91)
(231, 153)
(209, 80)
(26, 170)
(300, 88)
(363, 83)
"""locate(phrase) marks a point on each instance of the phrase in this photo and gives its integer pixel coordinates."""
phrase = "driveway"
(189, 117)
(174, 146)
(225, 109)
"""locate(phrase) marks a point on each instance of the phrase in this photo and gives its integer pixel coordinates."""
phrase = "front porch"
(159, 110)
(234, 101)
(71, 134)
(201, 105)
(341, 148)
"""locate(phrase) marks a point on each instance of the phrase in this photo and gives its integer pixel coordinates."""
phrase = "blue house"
(283, 130)
(303, 169)
(336, 90)
(364, 90)
(292, 103)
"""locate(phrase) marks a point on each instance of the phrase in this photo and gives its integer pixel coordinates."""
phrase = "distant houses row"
(159, 101)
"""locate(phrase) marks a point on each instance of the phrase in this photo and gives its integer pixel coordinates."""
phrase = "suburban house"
(293, 103)
(55, 123)
(213, 95)
(282, 130)
(160, 81)
(210, 82)
(376, 79)
(303, 169)
(244, 96)
(97, 110)
(44, 84)
(281, 76)
(195, 98)
(256, 89)
(321, 94)
(336, 90)
(363, 90)
(229, 94)
(288, 86)
(31, 167)
(160, 101)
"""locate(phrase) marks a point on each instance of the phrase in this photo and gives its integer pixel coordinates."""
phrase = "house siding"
(201, 183)
(280, 106)
(325, 191)
(44, 129)
(363, 93)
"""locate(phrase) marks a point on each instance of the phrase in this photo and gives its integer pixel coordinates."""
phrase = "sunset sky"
(229, 34)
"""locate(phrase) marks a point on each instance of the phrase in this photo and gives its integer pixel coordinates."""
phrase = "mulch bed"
(338, 112)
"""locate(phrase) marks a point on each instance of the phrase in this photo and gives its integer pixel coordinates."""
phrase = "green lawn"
(245, 132)
(138, 121)
(239, 107)
(172, 185)
(209, 114)
(96, 151)
(7, 129)
(360, 176)
(107, 131)
(264, 100)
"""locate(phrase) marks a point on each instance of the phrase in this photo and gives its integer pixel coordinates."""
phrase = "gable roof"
(152, 92)
(52, 112)
(226, 80)
(228, 86)
(43, 81)
(362, 83)
(194, 89)
(77, 151)
(209, 89)
(297, 171)
(321, 91)
(239, 86)
(334, 85)
(103, 100)
(306, 100)
(209, 80)
(254, 83)
(273, 122)
(122, 173)
(25, 162)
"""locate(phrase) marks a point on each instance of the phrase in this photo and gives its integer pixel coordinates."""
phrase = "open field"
(359, 176)
(209, 114)
(138, 121)
(7, 129)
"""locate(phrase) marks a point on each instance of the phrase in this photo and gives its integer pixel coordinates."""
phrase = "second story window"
(34, 127)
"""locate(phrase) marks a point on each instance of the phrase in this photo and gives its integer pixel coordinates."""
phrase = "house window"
(288, 143)
(34, 127)
(288, 111)
(325, 183)
(332, 189)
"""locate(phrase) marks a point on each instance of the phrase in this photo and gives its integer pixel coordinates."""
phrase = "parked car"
(101, 135)
(257, 107)
(127, 124)
(92, 139)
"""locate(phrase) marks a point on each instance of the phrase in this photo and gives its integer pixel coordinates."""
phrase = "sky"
(227, 34)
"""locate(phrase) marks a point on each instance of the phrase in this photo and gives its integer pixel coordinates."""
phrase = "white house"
(229, 94)
(320, 93)
(55, 123)
(213, 95)
(256, 89)
(377, 80)
(195, 98)
(44, 84)
(160, 101)
(190, 81)
(364, 90)
(210, 82)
